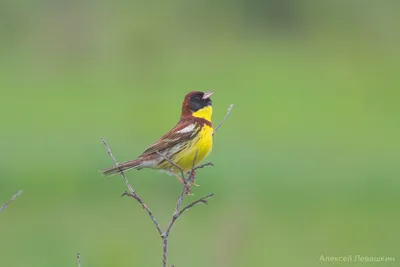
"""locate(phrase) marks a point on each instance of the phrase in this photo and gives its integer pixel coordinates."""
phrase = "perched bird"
(191, 135)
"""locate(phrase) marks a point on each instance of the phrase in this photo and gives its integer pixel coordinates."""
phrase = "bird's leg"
(187, 190)
(193, 174)
(187, 185)
(177, 176)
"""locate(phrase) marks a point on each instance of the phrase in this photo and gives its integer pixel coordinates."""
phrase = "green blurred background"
(307, 164)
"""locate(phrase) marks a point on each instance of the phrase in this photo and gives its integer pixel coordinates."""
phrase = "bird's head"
(198, 104)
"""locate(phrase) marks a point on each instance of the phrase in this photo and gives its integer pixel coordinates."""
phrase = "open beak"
(207, 95)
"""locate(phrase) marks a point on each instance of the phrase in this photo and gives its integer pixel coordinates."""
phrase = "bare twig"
(191, 173)
(201, 200)
(8, 202)
(174, 218)
(226, 116)
(79, 259)
(116, 164)
(203, 165)
(165, 250)
(133, 193)
(147, 209)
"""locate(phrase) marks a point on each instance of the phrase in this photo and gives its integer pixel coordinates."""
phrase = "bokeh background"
(307, 164)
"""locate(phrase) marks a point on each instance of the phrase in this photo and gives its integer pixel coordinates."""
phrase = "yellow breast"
(202, 143)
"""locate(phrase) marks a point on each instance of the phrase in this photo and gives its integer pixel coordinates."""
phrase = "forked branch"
(178, 211)
(132, 192)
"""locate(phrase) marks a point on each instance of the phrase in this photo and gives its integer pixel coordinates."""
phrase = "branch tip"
(204, 165)
(8, 202)
(224, 119)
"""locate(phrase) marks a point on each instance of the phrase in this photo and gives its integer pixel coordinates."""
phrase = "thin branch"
(226, 116)
(79, 259)
(201, 200)
(174, 218)
(133, 193)
(116, 164)
(147, 209)
(8, 202)
(165, 250)
(190, 175)
(203, 165)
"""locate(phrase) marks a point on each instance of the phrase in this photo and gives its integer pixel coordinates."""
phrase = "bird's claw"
(187, 190)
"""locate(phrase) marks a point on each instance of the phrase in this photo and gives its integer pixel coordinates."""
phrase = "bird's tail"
(124, 166)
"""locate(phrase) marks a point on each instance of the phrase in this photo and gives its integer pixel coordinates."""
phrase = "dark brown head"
(197, 102)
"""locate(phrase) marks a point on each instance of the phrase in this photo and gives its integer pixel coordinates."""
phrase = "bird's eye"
(197, 98)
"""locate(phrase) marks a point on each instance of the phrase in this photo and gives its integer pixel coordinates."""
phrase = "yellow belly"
(201, 143)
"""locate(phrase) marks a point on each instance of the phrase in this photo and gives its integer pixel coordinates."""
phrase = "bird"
(190, 139)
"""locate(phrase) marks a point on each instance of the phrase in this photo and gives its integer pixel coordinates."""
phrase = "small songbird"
(192, 134)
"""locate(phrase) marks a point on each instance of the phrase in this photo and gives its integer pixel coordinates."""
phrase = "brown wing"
(172, 138)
